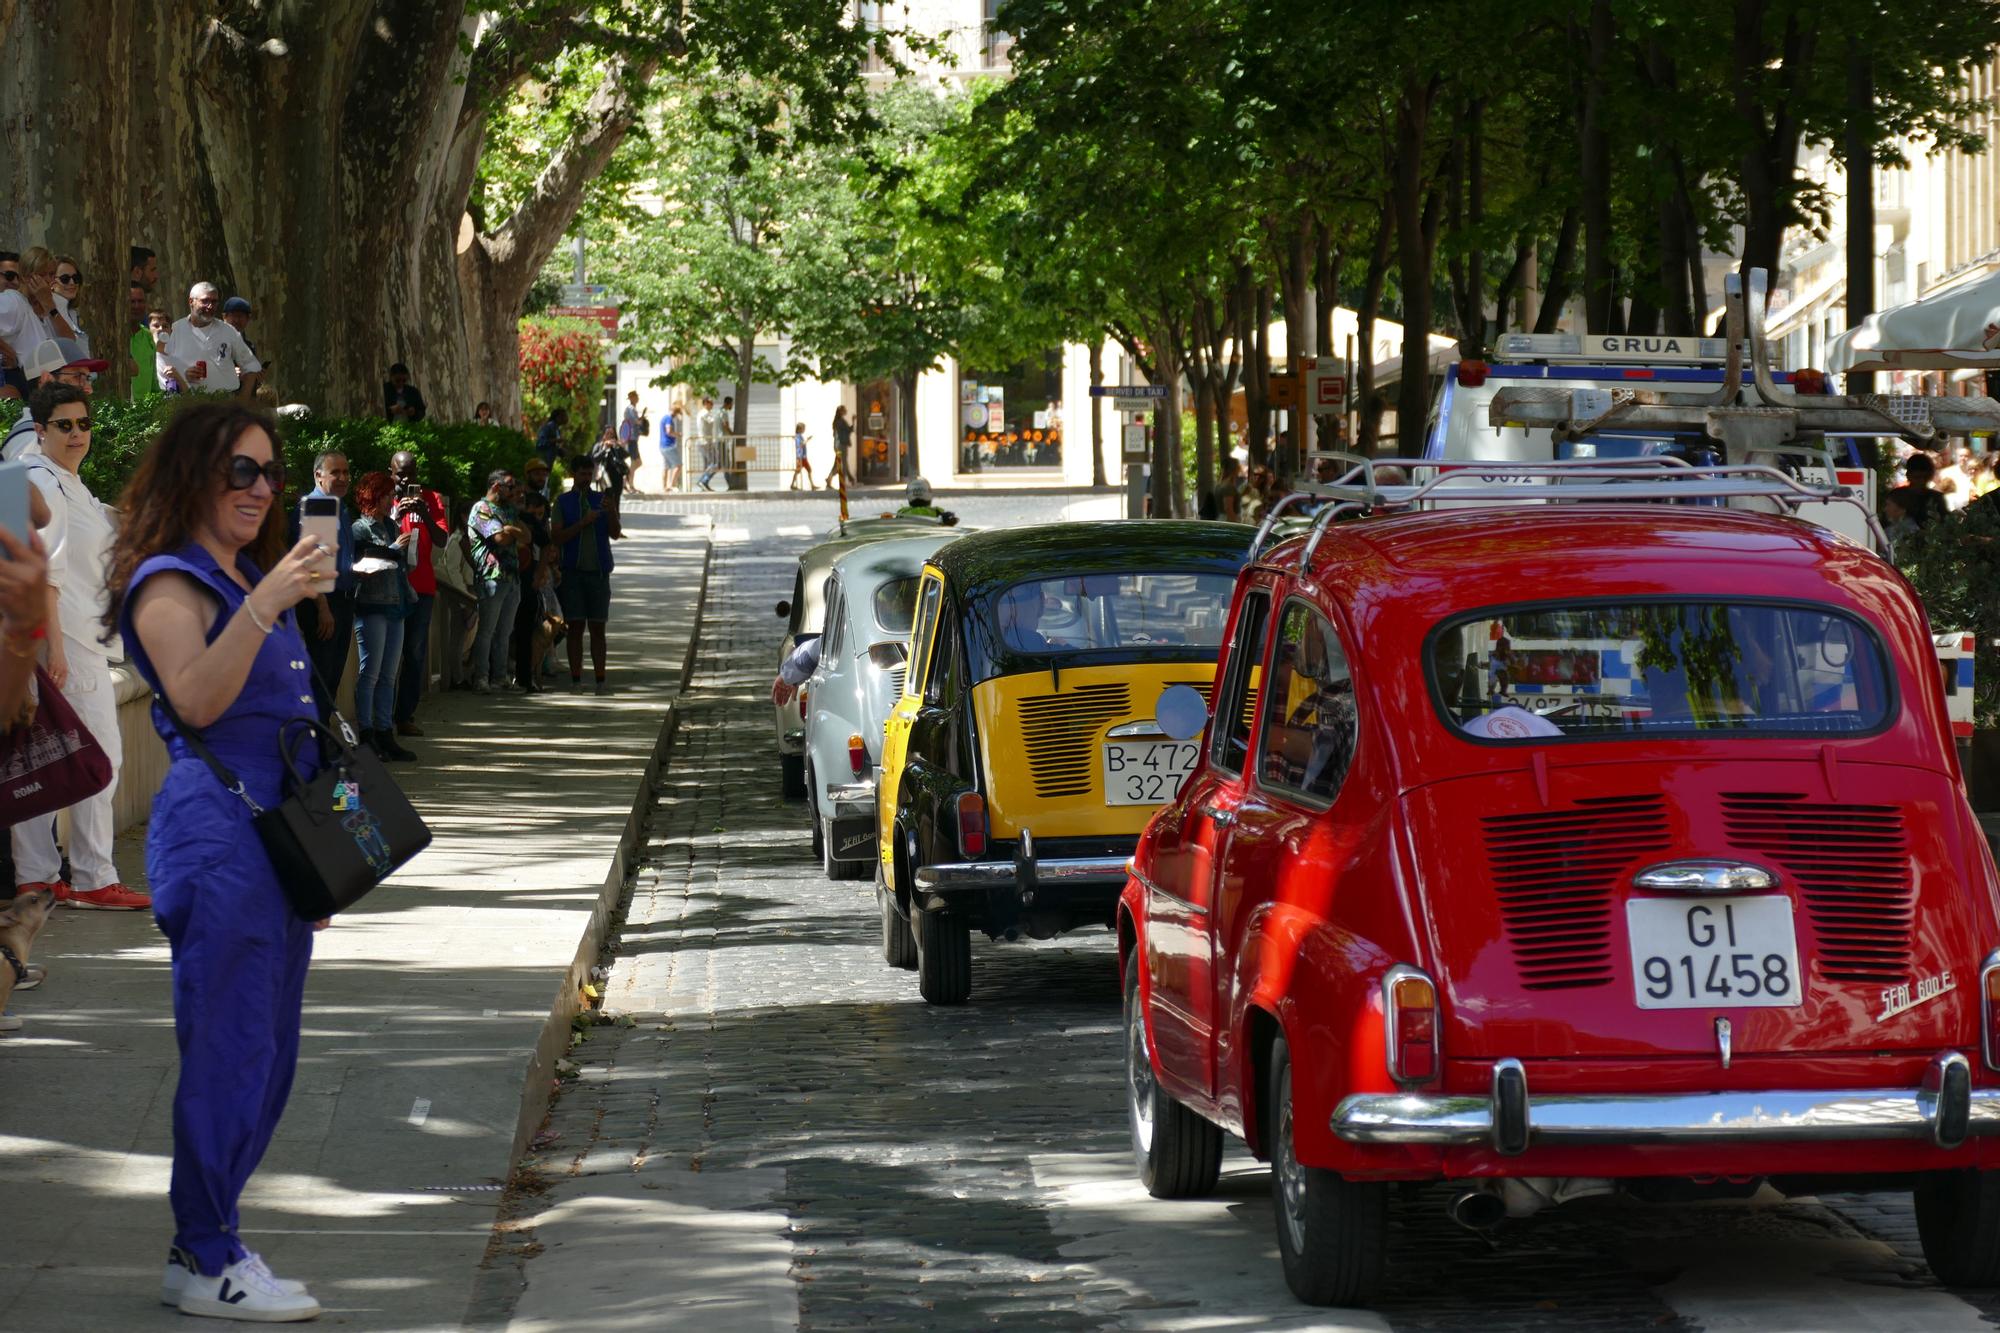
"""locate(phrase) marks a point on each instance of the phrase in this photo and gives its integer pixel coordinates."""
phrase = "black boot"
(387, 746)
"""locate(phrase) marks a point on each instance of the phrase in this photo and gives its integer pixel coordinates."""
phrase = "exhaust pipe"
(1477, 1210)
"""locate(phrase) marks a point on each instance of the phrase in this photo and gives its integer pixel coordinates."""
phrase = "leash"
(13, 960)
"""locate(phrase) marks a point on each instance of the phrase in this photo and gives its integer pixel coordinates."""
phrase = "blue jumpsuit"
(239, 951)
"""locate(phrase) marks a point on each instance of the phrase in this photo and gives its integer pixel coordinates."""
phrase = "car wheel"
(944, 957)
(792, 774)
(1958, 1221)
(1179, 1153)
(899, 947)
(819, 829)
(1332, 1232)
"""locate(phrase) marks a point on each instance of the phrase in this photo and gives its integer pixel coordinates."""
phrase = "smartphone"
(319, 518)
(14, 502)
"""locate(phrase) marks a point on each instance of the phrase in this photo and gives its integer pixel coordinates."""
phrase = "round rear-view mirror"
(784, 609)
(1181, 713)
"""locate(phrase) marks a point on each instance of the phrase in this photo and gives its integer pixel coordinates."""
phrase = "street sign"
(606, 315)
(1282, 392)
(1136, 449)
(1326, 383)
(1128, 391)
(584, 293)
(1135, 404)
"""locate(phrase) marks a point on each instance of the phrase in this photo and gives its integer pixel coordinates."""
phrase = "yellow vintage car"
(1026, 752)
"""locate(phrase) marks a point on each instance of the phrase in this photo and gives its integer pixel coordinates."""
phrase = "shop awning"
(1942, 332)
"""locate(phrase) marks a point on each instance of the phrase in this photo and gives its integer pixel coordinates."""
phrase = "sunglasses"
(243, 471)
(70, 425)
(69, 279)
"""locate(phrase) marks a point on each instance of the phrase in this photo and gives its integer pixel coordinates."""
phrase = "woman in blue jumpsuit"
(206, 627)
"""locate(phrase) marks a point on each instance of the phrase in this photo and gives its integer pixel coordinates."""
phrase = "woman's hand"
(298, 576)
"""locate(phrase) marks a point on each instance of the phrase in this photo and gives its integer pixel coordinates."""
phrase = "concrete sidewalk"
(433, 1014)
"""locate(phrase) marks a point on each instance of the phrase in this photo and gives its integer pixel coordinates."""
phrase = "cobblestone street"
(773, 1131)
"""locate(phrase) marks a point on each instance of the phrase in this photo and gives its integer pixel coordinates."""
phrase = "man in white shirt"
(209, 355)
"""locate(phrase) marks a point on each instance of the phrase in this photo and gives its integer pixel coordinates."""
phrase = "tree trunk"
(1860, 203)
(1556, 288)
(1257, 380)
(1301, 329)
(1769, 165)
(737, 477)
(1097, 417)
(906, 412)
(1416, 232)
(1594, 138)
(1367, 435)
(1167, 429)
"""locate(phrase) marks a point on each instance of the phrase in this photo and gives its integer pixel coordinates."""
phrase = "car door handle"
(1220, 818)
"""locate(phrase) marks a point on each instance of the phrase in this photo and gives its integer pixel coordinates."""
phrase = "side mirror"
(888, 655)
(1181, 712)
(784, 609)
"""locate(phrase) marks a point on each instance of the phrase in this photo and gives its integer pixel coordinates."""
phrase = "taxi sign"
(1326, 383)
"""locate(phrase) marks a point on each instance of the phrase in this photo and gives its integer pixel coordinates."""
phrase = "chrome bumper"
(1076, 870)
(852, 800)
(1945, 1110)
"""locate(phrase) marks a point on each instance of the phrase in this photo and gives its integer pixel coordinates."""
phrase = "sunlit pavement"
(423, 1009)
(776, 1133)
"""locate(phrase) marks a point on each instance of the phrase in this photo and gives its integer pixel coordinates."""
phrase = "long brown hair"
(169, 495)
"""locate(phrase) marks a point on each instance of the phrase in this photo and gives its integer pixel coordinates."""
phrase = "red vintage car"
(1558, 850)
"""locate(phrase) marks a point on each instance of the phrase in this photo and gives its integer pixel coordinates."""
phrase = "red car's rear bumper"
(1943, 1111)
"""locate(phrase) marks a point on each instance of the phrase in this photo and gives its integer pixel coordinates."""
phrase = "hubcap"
(1291, 1176)
(1139, 1084)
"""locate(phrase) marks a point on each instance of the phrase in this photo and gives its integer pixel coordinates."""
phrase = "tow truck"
(1677, 419)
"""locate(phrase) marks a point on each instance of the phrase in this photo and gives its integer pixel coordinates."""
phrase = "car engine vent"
(896, 676)
(1059, 731)
(1557, 877)
(1852, 864)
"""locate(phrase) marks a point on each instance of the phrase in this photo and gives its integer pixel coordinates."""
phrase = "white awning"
(1942, 332)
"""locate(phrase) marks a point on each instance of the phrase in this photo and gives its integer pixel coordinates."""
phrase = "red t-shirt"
(423, 578)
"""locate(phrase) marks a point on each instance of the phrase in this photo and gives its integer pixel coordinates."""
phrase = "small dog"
(19, 924)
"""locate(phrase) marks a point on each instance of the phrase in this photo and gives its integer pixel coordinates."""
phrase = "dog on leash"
(19, 924)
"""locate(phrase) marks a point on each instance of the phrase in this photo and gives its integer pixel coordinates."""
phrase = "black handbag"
(331, 837)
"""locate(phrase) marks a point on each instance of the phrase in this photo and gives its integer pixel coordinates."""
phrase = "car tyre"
(792, 775)
(1179, 1154)
(899, 946)
(1332, 1232)
(1958, 1221)
(821, 846)
(944, 957)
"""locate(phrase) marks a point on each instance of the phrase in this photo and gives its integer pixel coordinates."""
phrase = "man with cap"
(920, 504)
(236, 312)
(54, 361)
(209, 355)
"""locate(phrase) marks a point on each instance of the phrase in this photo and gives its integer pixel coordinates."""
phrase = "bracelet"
(251, 612)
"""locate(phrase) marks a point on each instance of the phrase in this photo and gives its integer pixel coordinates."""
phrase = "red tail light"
(857, 754)
(1409, 1000)
(972, 824)
(1472, 374)
(1989, 1009)
(803, 693)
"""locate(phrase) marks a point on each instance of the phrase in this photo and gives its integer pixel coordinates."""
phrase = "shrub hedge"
(453, 457)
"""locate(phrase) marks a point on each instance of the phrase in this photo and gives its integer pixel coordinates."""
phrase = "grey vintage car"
(871, 598)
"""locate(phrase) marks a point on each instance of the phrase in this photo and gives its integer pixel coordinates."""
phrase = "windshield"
(896, 605)
(1658, 668)
(1102, 612)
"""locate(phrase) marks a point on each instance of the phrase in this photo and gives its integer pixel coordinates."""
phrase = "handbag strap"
(344, 737)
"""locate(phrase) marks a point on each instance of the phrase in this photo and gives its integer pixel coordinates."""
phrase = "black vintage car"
(1026, 752)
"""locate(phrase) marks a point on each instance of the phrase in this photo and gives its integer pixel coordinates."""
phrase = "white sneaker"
(180, 1267)
(249, 1291)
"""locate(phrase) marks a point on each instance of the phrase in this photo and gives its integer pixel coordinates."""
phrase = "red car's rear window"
(1580, 670)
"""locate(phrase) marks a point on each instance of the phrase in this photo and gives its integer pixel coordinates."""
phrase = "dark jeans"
(416, 656)
(329, 655)
(526, 669)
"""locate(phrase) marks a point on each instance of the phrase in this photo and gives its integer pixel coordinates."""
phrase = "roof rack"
(1574, 481)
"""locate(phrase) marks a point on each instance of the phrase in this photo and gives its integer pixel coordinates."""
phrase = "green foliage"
(452, 457)
(562, 365)
(1954, 565)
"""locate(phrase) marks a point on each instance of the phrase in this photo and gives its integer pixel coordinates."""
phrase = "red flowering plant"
(562, 365)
